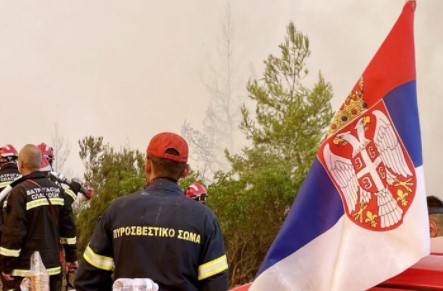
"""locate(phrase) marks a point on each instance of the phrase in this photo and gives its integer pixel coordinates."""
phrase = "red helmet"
(8, 153)
(45, 166)
(47, 152)
(196, 192)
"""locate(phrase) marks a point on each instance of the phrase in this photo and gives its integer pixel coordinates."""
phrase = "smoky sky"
(126, 70)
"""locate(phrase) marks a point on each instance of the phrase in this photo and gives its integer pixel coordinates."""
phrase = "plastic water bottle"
(136, 284)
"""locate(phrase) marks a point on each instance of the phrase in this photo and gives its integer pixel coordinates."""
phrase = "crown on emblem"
(353, 106)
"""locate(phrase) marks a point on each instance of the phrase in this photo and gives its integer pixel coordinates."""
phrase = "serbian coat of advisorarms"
(369, 165)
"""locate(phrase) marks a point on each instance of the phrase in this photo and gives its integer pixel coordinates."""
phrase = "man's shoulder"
(9, 174)
(199, 208)
(46, 182)
(9, 170)
(125, 199)
(29, 183)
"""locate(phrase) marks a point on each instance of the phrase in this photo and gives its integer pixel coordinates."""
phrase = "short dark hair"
(435, 205)
(433, 201)
(166, 168)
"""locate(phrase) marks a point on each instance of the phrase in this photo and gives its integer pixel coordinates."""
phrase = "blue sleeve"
(96, 267)
(213, 269)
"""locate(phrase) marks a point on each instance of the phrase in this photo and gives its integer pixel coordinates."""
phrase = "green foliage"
(252, 200)
(193, 176)
(111, 174)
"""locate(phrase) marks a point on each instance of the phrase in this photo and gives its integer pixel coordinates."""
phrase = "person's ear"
(186, 171)
(433, 228)
(148, 166)
(20, 165)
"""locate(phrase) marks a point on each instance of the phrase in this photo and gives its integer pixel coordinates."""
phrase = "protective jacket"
(71, 193)
(159, 234)
(8, 173)
(37, 218)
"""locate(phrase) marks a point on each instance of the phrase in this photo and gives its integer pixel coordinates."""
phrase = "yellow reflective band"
(36, 203)
(71, 193)
(98, 261)
(20, 273)
(25, 273)
(44, 201)
(4, 184)
(54, 271)
(9, 253)
(213, 267)
(68, 240)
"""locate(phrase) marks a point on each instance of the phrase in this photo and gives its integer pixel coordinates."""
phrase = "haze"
(126, 70)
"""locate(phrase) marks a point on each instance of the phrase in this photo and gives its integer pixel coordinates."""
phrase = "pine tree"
(285, 130)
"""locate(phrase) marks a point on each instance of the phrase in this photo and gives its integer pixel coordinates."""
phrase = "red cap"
(164, 141)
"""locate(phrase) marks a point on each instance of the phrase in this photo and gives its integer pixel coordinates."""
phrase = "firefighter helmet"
(8, 153)
(45, 166)
(47, 152)
(197, 192)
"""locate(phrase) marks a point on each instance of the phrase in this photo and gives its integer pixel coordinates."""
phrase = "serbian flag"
(360, 216)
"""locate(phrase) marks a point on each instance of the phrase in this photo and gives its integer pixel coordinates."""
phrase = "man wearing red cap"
(157, 233)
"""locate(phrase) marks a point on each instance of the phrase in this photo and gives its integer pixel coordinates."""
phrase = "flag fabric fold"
(360, 216)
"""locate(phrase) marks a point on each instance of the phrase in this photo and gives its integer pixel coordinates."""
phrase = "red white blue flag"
(360, 216)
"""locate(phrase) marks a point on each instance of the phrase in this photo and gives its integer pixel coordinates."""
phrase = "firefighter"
(47, 153)
(157, 233)
(197, 192)
(48, 159)
(71, 187)
(435, 211)
(37, 218)
(8, 167)
(8, 173)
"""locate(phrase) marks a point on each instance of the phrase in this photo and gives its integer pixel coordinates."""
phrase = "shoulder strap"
(54, 215)
(55, 218)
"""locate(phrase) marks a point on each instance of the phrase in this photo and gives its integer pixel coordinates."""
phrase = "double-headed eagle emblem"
(371, 169)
